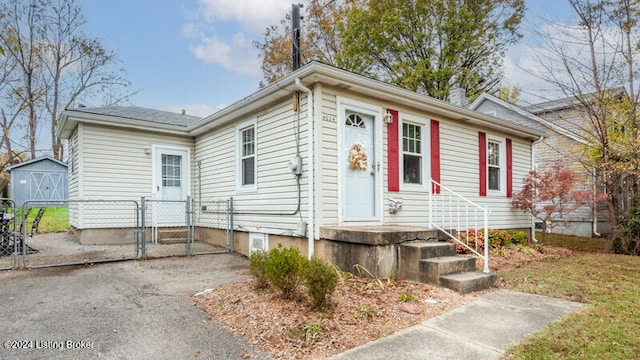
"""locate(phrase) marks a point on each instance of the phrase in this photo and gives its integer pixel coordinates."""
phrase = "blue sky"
(197, 54)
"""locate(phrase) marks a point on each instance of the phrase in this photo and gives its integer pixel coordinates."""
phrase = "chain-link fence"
(8, 246)
(74, 232)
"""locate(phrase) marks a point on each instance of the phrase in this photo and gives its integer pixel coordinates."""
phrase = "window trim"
(502, 153)
(239, 129)
(424, 125)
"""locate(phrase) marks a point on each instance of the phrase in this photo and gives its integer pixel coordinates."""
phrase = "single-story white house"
(320, 151)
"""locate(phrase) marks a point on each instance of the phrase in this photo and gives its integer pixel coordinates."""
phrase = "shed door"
(358, 153)
(170, 186)
(46, 186)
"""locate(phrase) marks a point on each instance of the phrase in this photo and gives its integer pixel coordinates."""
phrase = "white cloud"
(253, 16)
(222, 32)
(201, 110)
(238, 55)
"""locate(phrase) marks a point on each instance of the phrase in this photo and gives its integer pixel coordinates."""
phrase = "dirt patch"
(513, 258)
(362, 310)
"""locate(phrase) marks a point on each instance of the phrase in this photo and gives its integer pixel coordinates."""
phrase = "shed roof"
(35, 160)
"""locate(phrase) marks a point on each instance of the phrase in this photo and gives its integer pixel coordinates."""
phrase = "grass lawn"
(608, 328)
(55, 219)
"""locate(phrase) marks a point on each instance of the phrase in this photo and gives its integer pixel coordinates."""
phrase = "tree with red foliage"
(550, 194)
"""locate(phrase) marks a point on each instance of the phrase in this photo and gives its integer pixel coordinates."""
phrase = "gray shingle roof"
(144, 114)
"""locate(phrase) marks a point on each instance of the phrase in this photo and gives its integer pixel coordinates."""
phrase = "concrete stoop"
(171, 236)
(437, 263)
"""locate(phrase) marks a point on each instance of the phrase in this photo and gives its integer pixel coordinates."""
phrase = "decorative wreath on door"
(358, 158)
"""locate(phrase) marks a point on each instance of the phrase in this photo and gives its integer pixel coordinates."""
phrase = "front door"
(170, 184)
(359, 160)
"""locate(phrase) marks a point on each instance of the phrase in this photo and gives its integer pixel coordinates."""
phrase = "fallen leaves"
(360, 311)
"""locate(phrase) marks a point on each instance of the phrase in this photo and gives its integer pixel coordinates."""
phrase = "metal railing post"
(486, 241)
(431, 207)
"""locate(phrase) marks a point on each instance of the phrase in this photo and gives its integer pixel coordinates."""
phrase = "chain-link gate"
(76, 232)
(8, 245)
(212, 223)
(176, 227)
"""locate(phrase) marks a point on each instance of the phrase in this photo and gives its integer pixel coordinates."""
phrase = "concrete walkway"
(483, 329)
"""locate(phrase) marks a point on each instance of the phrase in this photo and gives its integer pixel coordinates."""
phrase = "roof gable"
(522, 112)
(35, 160)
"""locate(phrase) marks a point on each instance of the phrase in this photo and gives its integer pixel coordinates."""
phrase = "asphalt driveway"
(123, 310)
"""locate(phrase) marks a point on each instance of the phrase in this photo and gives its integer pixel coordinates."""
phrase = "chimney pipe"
(295, 26)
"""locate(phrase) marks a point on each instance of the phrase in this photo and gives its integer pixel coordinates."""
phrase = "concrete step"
(467, 282)
(177, 240)
(410, 254)
(432, 269)
(430, 249)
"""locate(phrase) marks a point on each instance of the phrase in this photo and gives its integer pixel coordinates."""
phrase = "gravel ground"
(120, 310)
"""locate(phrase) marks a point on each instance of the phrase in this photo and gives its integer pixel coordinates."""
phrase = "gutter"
(310, 116)
(533, 167)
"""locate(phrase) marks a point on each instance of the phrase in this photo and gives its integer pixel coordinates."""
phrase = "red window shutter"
(393, 153)
(482, 153)
(509, 169)
(435, 154)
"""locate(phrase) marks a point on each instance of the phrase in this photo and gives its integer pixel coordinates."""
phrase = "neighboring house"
(43, 178)
(561, 124)
(299, 170)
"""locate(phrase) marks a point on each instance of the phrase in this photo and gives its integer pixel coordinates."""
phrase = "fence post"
(230, 210)
(23, 235)
(143, 226)
(188, 220)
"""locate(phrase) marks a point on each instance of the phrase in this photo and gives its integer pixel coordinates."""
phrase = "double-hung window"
(412, 156)
(494, 165)
(246, 171)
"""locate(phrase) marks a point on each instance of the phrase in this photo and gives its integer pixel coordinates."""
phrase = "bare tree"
(74, 64)
(21, 33)
(54, 64)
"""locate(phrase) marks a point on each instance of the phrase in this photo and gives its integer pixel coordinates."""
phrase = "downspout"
(533, 167)
(595, 205)
(311, 189)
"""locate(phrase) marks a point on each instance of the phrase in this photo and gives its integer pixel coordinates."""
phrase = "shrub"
(284, 268)
(257, 267)
(497, 239)
(321, 279)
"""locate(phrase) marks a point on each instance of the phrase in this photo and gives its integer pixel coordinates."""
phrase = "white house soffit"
(527, 114)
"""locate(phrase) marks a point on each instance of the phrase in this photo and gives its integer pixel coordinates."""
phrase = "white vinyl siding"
(114, 165)
(459, 167)
(270, 207)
